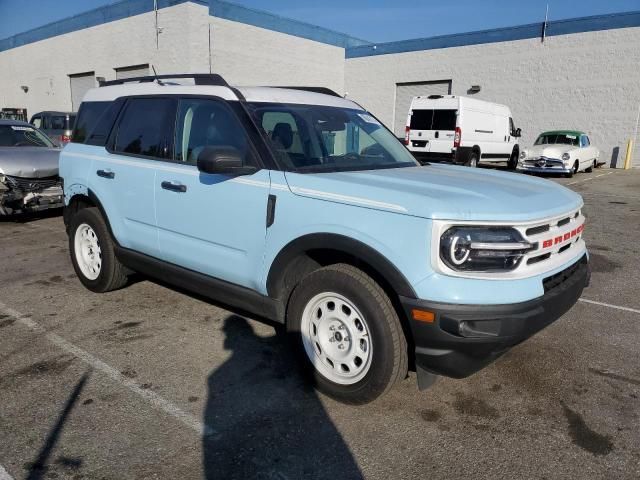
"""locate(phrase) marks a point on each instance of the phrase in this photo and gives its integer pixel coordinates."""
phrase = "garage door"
(132, 71)
(406, 91)
(80, 83)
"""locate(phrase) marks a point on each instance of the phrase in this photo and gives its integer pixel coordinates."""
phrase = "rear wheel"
(348, 334)
(92, 252)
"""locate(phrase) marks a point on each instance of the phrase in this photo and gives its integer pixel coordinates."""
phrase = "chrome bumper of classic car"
(19, 195)
(543, 164)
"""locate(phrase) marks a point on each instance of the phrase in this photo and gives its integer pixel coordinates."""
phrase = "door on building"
(132, 71)
(80, 83)
(406, 91)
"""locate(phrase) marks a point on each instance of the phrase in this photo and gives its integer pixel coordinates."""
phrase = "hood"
(549, 151)
(29, 162)
(444, 192)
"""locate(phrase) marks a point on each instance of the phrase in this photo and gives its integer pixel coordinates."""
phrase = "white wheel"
(336, 338)
(87, 251)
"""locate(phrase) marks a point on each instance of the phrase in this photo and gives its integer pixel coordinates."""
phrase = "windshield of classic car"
(557, 139)
(22, 136)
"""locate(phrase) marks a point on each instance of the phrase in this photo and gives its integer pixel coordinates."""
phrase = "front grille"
(33, 184)
(538, 230)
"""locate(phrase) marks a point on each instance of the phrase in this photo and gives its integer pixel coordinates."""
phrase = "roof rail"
(323, 90)
(199, 78)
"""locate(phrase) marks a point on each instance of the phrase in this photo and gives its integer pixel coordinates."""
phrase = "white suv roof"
(187, 86)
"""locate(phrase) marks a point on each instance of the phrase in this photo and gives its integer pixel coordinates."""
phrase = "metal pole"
(635, 134)
(210, 71)
(155, 9)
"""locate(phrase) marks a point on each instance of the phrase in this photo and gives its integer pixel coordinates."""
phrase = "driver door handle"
(106, 174)
(174, 187)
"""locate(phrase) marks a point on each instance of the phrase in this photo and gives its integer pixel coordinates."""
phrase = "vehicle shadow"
(267, 420)
(31, 216)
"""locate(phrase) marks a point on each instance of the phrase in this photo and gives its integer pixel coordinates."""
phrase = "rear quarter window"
(87, 118)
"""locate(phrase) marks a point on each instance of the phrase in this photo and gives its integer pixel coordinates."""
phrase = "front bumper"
(13, 202)
(463, 339)
(543, 165)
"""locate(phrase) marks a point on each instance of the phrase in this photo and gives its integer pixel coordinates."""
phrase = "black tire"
(590, 169)
(112, 274)
(513, 160)
(389, 358)
(474, 158)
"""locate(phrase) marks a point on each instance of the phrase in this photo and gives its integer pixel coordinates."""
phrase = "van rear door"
(443, 130)
(420, 120)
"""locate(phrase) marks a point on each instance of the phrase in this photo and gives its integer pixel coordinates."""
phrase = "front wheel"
(513, 160)
(92, 252)
(348, 334)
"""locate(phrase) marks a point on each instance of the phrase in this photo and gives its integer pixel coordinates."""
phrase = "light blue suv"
(299, 206)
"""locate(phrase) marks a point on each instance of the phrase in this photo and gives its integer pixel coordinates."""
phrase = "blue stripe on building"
(532, 30)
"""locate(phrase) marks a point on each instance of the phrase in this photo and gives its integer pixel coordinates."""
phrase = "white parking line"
(617, 307)
(591, 178)
(152, 397)
(4, 475)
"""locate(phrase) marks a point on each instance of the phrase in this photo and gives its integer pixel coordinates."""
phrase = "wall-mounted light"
(24, 88)
(474, 89)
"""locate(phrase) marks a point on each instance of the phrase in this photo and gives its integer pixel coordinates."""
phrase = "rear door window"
(421, 119)
(57, 122)
(444, 120)
(145, 128)
(88, 116)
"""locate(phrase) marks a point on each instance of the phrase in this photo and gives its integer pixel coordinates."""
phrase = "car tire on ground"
(473, 160)
(92, 252)
(590, 169)
(513, 160)
(348, 334)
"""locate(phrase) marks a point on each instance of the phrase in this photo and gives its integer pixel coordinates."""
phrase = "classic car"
(560, 151)
(28, 169)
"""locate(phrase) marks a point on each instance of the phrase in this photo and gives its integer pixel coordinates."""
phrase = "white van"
(461, 129)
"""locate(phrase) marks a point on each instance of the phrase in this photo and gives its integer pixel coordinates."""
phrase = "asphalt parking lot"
(149, 382)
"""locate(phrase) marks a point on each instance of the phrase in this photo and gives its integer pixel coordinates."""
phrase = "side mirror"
(518, 132)
(223, 160)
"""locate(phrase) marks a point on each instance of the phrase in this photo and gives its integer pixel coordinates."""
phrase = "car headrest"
(283, 134)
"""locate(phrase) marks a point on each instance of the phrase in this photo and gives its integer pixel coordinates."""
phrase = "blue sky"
(375, 20)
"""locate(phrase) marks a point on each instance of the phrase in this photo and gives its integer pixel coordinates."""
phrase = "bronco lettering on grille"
(562, 238)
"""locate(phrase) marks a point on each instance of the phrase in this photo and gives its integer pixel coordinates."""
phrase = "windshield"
(22, 136)
(315, 138)
(557, 138)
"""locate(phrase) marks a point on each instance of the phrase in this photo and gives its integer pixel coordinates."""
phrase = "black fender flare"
(340, 243)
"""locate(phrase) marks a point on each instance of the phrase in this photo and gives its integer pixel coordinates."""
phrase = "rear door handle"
(105, 174)
(174, 187)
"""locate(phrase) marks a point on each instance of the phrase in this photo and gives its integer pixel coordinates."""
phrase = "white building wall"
(587, 81)
(247, 55)
(45, 66)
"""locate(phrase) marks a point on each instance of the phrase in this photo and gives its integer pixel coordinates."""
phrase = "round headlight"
(566, 156)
